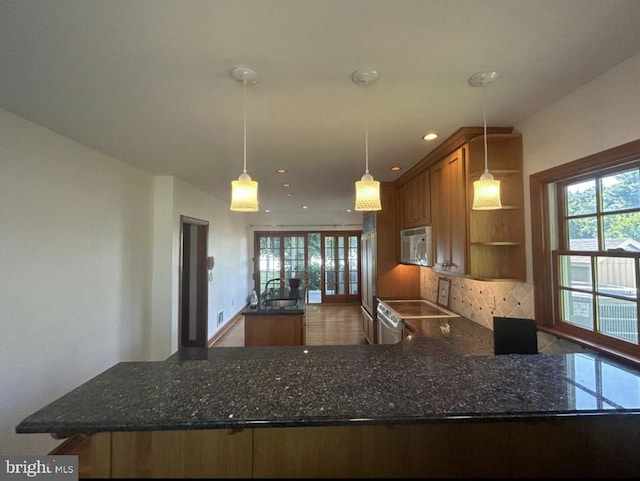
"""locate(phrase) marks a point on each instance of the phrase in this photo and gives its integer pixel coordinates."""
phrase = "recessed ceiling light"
(430, 136)
(395, 168)
(305, 207)
(286, 185)
(348, 210)
(289, 194)
(281, 171)
(267, 210)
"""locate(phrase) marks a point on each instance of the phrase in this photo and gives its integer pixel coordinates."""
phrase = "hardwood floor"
(327, 324)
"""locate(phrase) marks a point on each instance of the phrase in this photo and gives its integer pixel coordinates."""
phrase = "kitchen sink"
(280, 302)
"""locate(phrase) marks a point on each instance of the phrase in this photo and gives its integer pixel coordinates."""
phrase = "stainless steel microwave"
(416, 247)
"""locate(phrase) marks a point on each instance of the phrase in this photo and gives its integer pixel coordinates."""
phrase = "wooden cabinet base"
(274, 330)
(588, 447)
(181, 454)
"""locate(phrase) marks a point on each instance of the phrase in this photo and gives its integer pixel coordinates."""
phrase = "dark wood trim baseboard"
(227, 326)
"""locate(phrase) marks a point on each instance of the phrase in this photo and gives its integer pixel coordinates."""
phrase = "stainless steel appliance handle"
(387, 322)
(420, 259)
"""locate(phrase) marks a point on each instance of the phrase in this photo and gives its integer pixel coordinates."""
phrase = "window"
(587, 287)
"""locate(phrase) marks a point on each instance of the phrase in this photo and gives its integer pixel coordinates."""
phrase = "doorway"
(327, 263)
(193, 315)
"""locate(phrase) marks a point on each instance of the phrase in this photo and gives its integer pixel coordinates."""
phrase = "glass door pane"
(353, 265)
(341, 253)
(270, 260)
(314, 268)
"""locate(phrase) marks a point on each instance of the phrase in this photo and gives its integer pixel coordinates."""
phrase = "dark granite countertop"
(335, 385)
(447, 336)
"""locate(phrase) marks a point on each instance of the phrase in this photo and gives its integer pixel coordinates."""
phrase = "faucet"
(266, 287)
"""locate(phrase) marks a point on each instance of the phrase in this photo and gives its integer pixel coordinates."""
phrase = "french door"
(341, 261)
(280, 256)
(326, 263)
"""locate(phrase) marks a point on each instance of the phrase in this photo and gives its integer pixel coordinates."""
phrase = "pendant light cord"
(484, 122)
(366, 133)
(244, 122)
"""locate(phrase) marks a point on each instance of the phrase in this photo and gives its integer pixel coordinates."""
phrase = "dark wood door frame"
(193, 291)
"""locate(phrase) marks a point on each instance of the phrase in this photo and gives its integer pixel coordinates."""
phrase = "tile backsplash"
(481, 300)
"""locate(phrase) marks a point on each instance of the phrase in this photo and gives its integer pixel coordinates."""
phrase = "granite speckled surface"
(452, 336)
(413, 381)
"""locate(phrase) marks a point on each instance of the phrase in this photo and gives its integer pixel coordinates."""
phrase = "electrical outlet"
(492, 303)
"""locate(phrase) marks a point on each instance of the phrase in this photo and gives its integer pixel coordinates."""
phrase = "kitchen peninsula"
(355, 411)
(278, 320)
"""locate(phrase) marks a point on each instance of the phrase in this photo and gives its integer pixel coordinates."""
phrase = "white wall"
(602, 114)
(75, 227)
(230, 286)
(89, 250)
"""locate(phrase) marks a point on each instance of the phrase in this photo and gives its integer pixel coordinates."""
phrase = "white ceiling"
(149, 81)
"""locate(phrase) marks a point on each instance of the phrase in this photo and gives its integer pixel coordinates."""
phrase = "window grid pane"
(602, 210)
(575, 272)
(616, 276)
(618, 318)
(581, 198)
(577, 308)
(583, 234)
(294, 259)
(620, 191)
(353, 265)
(330, 265)
(270, 261)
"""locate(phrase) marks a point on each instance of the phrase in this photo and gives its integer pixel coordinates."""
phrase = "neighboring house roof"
(626, 244)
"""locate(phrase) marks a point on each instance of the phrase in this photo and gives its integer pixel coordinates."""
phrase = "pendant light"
(367, 189)
(244, 191)
(486, 190)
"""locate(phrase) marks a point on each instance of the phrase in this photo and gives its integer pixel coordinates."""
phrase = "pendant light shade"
(244, 194)
(486, 190)
(367, 189)
(244, 191)
(368, 193)
(486, 193)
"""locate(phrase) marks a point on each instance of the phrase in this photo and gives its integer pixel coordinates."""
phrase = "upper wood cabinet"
(449, 220)
(381, 273)
(393, 280)
(485, 245)
(496, 237)
(415, 201)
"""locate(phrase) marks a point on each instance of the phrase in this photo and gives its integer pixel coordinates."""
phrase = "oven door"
(388, 331)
